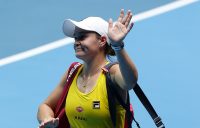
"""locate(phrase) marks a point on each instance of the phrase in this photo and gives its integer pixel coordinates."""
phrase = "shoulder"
(114, 72)
(114, 68)
(71, 70)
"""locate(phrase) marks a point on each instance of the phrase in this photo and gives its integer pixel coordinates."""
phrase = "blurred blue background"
(164, 48)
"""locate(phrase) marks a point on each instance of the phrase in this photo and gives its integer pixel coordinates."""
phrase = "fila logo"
(96, 104)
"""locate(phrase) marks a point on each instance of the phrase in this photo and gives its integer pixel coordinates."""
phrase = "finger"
(121, 16)
(41, 125)
(110, 23)
(56, 122)
(48, 123)
(128, 19)
(131, 26)
(53, 123)
(57, 119)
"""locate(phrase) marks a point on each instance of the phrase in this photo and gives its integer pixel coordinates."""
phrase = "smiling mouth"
(78, 48)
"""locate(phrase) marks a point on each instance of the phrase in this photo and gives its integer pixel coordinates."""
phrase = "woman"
(94, 39)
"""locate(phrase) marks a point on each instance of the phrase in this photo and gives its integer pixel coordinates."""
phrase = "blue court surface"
(165, 49)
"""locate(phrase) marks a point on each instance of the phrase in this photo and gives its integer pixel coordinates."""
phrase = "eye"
(80, 36)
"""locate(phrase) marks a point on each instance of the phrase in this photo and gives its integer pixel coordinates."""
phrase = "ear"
(102, 41)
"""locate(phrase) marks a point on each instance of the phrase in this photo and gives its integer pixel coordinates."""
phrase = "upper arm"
(117, 78)
(126, 81)
(53, 98)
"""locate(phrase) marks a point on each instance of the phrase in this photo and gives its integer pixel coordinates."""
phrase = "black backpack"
(112, 93)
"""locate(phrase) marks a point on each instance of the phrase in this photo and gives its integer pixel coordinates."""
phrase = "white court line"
(65, 41)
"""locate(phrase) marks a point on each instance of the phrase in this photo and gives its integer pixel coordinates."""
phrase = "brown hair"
(109, 51)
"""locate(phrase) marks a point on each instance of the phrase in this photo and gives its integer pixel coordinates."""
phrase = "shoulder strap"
(144, 100)
(112, 94)
(70, 75)
(146, 103)
(60, 108)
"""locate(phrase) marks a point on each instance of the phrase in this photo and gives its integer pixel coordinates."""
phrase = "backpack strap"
(111, 102)
(146, 103)
(113, 94)
(60, 107)
(143, 99)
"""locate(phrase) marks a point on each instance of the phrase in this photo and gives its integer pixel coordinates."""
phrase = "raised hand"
(118, 31)
(50, 123)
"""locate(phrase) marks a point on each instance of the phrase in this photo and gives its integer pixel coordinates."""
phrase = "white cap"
(95, 24)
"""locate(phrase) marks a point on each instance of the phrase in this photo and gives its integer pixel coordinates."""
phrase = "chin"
(79, 56)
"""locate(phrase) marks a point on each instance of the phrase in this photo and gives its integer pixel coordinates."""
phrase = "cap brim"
(69, 27)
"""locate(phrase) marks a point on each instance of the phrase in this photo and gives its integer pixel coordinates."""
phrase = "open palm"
(117, 31)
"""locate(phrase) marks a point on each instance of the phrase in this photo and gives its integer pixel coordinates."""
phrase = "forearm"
(44, 112)
(127, 68)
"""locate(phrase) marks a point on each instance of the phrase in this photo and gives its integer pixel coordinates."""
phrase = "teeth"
(78, 48)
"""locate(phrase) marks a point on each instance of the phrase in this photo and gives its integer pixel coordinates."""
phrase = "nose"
(77, 43)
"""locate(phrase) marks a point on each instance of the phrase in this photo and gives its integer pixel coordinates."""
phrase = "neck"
(93, 66)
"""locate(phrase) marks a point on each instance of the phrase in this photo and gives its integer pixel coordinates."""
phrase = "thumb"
(110, 23)
(56, 122)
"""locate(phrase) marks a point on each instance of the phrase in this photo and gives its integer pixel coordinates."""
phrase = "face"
(86, 44)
